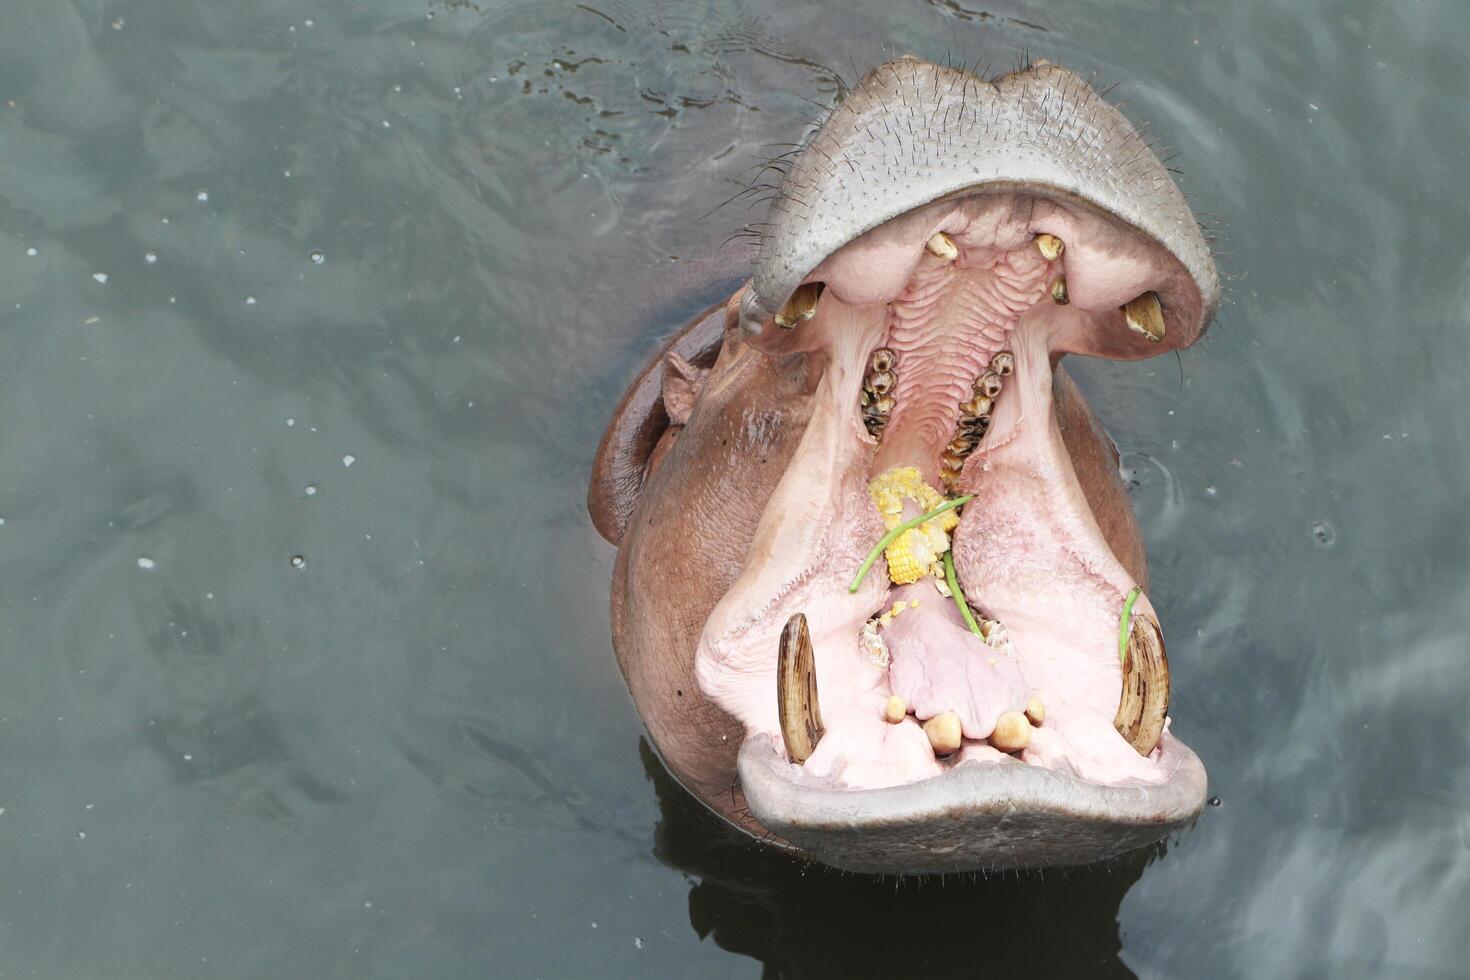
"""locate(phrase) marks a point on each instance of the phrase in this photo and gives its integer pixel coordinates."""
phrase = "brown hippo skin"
(913, 293)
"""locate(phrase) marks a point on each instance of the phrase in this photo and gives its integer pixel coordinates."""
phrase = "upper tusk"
(800, 307)
(796, 691)
(1050, 246)
(942, 246)
(1145, 698)
(1145, 316)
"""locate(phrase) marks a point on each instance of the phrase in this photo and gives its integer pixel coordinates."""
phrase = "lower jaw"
(1029, 555)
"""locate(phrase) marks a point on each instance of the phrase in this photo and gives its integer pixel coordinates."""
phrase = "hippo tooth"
(942, 246)
(796, 691)
(1145, 699)
(800, 307)
(895, 709)
(1012, 732)
(1059, 291)
(1003, 363)
(1050, 247)
(883, 359)
(1145, 316)
(944, 732)
(988, 384)
(1035, 711)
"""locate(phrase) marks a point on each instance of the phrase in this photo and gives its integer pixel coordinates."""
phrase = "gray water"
(375, 274)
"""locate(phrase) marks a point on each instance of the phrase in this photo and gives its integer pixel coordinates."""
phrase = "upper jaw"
(914, 134)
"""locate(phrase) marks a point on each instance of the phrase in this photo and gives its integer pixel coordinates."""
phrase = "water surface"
(310, 319)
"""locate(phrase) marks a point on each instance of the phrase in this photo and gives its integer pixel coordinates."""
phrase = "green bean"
(891, 536)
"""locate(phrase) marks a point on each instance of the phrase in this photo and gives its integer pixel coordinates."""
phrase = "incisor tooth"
(1059, 291)
(1050, 246)
(942, 246)
(944, 733)
(1035, 711)
(800, 307)
(895, 709)
(1145, 316)
(1012, 732)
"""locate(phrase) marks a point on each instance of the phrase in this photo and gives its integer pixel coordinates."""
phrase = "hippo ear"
(662, 395)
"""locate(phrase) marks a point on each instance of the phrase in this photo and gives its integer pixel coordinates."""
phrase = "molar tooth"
(882, 359)
(796, 691)
(895, 709)
(988, 384)
(960, 445)
(979, 405)
(1050, 246)
(1145, 316)
(801, 307)
(1012, 732)
(944, 732)
(952, 460)
(1003, 363)
(942, 246)
(881, 382)
(885, 404)
(1059, 291)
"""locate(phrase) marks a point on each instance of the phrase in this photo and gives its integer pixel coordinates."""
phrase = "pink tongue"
(1030, 554)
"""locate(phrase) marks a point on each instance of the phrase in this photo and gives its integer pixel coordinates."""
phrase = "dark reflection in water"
(803, 920)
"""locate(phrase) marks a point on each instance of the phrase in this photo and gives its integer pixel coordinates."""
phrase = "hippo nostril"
(801, 307)
(1059, 291)
(1145, 316)
(1050, 246)
(796, 691)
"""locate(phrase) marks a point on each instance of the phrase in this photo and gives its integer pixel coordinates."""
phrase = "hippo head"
(879, 594)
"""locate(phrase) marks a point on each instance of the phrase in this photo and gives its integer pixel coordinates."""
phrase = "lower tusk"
(942, 247)
(1145, 699)
(1145, 316)
(796, 691)
(801, 307)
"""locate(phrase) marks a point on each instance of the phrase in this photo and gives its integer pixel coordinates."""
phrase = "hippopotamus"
(879, 595)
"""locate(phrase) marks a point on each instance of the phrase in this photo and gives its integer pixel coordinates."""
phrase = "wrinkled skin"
(732, 478)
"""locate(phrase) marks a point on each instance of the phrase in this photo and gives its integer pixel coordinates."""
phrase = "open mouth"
(943, 614)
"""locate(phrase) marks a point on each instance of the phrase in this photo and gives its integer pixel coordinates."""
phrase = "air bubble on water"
(317, 256)
(201, 196)
(398, 88)
(637, 942)
(100, 276)
(81, 835)
(1211, 491)
(1323, 533)
(387, 124)
(118, 24)
(309, 22)
(249, 300)
(298, 562)
(188, 756)
(310, 490)
(32, 252)
(209, 595)
(290, 421)
(2, 522)
(147, 564)
(349, 459)
(150, 257)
